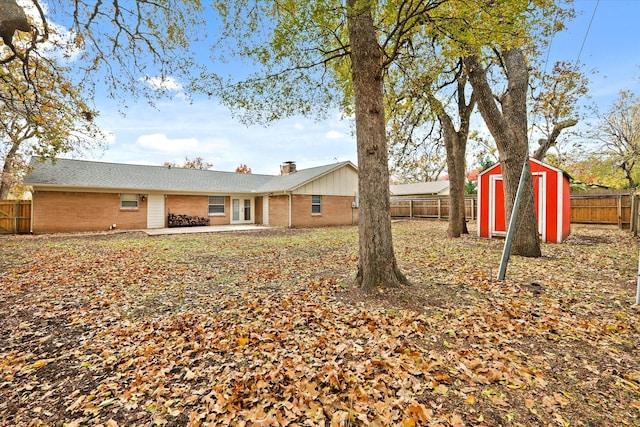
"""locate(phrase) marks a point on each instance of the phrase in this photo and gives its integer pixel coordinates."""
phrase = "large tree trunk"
(456, 169)
(456, 146)
(8, 178)
(377, 264)
(4, 182)
(12, 19)
(509, 129)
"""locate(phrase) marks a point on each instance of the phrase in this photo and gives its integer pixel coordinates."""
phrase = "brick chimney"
(287, 168)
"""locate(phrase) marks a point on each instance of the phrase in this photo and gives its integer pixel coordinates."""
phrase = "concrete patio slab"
(204, 229)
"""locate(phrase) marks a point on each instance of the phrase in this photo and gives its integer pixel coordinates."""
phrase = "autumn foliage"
(265, 329)
(243, 168)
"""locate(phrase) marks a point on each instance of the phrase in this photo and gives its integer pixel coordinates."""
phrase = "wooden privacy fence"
(433, 207)
(15, 216)
(614, 209)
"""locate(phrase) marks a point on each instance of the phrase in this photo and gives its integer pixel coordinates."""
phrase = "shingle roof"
(91, 174)
(433, 187)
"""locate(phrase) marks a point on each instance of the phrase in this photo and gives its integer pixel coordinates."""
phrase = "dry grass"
(265, 328)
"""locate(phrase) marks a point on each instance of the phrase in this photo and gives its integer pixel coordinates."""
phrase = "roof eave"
(85, 189)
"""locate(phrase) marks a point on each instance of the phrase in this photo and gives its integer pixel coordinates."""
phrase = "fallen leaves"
(262, 329)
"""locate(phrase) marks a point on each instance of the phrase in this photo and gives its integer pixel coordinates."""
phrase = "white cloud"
(108, 136)
(160, 142)
(334, 134)
(173, 130)
(163, 83)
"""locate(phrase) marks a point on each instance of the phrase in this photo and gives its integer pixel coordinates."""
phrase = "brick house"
(78, 195)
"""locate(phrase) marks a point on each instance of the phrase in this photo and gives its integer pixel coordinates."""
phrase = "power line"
(584, 40)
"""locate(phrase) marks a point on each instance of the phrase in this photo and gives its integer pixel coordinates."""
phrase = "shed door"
(540, 196)
(155, 211)
(497, 216)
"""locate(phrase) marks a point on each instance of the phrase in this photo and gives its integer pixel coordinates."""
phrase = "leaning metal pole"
(506, 251)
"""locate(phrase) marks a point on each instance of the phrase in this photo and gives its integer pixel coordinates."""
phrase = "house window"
(316, 205)
(216, 205)
(247, 209)
(129, 201)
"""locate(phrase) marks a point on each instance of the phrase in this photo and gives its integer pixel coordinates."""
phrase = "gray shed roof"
(91, 174)
(421, 188)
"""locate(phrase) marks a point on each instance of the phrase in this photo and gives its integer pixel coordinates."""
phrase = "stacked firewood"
(186, 220)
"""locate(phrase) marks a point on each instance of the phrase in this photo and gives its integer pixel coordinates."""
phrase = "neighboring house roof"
(89, 174)
(421, 188)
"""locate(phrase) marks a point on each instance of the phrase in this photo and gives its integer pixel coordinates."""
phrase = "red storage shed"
(551, 194)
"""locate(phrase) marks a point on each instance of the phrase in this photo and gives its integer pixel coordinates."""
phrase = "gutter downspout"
(31, 219)
(290, 210)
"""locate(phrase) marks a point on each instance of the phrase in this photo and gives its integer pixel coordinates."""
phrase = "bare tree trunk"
(456, 177)
(377, 264)
(460, 154)
(456, 146)
(12, 19)
(8, 179)
(547, 143)
(509, 129)
(4, 186)
(627, 168)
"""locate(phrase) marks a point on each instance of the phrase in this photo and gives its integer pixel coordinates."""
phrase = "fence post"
(619, 208)
(632, 217)
(16, 213)
(411, 208)
(473, 208)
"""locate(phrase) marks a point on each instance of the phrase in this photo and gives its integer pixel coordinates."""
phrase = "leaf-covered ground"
(265, 329)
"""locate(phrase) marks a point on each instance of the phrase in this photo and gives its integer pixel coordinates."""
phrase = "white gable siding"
(341, 182)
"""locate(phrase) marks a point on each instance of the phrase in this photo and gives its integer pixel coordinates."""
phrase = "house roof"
(432, 187)
(91, 174)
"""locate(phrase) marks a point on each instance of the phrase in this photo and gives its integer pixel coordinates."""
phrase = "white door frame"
(492, 206)
(542, 204)
(241, 200)
(541, 214)
(155, 211)
(265, 210)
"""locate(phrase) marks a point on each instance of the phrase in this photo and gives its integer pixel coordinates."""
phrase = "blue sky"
(178, 128)
(611, 46)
